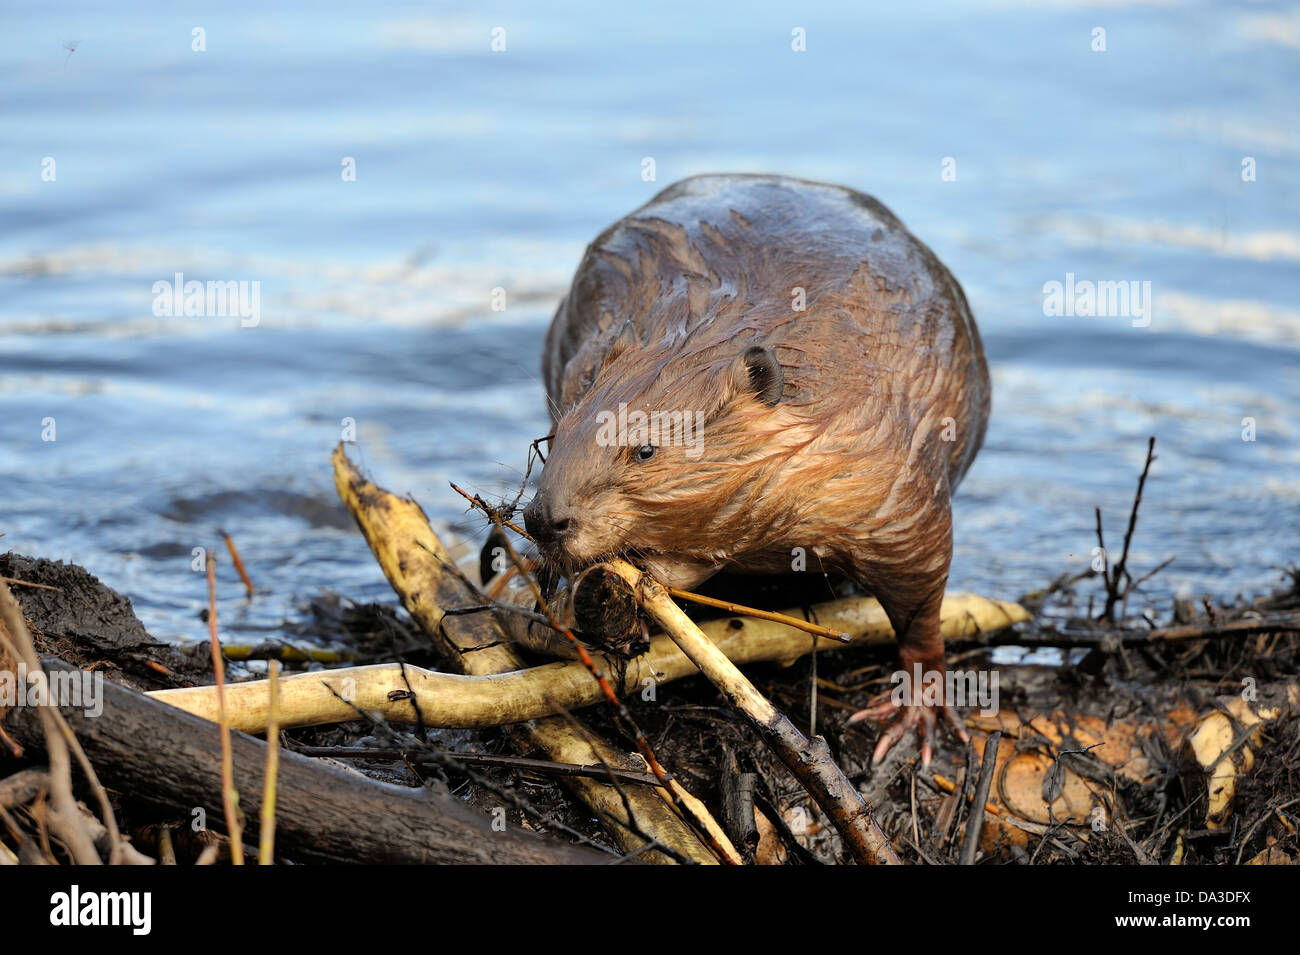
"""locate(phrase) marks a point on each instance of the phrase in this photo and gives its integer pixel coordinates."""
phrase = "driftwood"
(453, 700)
(325, 813)
(429, 583)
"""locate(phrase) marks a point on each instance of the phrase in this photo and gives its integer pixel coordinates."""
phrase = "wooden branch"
(424, 576)
(809, 760)
(1276, 623)
(452, 700)
(324, 813)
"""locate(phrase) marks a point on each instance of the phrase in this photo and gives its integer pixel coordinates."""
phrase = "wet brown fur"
(850, 464)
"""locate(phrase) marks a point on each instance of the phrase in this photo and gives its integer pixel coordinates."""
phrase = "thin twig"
(239, 564)
(1113, 592)
(630, 824)
(229, 797)
(266, 846)
(1105, 558)
(492, 512)
(1251, 831)
(975, 821)
(28, 583)
(544, 767)
(805, 625)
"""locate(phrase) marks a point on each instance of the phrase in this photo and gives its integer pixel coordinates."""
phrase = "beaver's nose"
(543, 522)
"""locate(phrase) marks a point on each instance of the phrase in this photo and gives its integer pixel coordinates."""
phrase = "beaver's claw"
(902, 718)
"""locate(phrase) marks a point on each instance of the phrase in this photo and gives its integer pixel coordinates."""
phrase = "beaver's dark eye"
(645, 452)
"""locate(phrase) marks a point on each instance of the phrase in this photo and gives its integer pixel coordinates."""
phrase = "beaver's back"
(719, 260)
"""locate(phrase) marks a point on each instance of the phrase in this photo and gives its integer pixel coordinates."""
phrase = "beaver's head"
(667, 458)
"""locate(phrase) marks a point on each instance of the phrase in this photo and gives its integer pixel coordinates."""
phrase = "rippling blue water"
(479, 169)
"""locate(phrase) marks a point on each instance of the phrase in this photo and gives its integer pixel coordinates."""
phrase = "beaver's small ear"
(757, 371)
(625, 339)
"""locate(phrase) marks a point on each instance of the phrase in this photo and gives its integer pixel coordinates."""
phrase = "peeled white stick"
(452, 700)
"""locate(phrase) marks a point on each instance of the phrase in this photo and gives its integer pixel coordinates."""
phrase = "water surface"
(479, 170)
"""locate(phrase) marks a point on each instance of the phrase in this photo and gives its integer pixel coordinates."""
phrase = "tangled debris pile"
(1140, 743)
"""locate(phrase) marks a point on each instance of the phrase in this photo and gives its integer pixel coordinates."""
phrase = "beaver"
(753, 369)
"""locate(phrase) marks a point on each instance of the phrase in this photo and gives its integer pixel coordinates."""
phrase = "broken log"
(324, 813)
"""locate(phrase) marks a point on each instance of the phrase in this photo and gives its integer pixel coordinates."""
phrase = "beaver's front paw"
(920, 695)
(902, 718)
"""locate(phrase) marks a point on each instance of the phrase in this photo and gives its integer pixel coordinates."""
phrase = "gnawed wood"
(454, 700)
